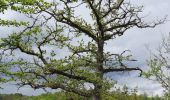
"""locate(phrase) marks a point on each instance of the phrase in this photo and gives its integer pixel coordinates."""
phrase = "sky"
(134, 39)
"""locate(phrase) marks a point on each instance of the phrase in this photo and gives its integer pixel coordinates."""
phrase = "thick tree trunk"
(98, 86)
(98, 93)
(97, 97)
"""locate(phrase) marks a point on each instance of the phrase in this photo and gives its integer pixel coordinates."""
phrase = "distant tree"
(159, 64)
(134, 92)
(145, 96)
(125, 90)
(56, 47)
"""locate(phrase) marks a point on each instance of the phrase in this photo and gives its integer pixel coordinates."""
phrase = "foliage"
(159, 65)
(33, 57)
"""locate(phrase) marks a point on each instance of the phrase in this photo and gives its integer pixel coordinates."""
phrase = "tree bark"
(98, 92)
(98, 86)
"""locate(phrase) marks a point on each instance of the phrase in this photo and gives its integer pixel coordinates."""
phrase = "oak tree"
(57, 47)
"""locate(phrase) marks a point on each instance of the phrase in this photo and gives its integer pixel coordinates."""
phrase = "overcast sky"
(134, 40)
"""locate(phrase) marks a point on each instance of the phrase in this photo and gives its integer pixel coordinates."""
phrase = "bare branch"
(121, 70)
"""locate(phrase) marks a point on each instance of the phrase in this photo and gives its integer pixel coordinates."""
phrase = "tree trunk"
(98, 93)
(98, 86)
(97, 97)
